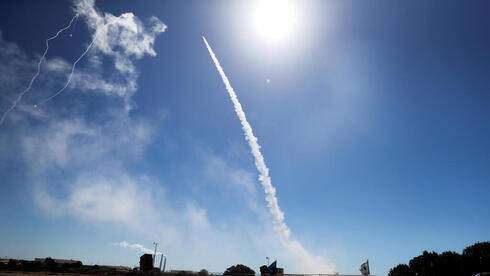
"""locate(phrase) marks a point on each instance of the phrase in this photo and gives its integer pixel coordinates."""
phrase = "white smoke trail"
(71, 74)
(141, 248)
(74, 24)
(16, 101)
(308, 262)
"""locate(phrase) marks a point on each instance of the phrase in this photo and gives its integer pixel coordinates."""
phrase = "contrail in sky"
(16, 101)
(71, 73)
(307, 261)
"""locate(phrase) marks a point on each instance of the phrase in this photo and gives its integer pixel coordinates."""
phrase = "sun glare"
(275, 20)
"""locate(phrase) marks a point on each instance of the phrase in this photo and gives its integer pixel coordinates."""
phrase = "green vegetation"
(239, 269)
(203, 272)
(474, 259)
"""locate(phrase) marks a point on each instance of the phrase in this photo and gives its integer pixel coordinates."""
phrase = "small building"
(4, 261)
(146, 262)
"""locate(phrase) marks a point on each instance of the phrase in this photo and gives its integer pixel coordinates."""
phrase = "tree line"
(473, 260)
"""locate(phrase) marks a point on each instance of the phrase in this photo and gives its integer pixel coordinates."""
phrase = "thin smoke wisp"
(123, 38)
(138, 246)
(17, 100)
(71, 73)
(309, 263)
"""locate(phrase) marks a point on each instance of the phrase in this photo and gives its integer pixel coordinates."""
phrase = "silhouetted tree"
(475, 259)
(425, 264)
(12, 264)
(263, 270)
(65, 266)
(239, 269)
(77, 264)
(203, 272)
(50, 263)
(29, 265)
(37, 265)
(400, 270)
(450, 264)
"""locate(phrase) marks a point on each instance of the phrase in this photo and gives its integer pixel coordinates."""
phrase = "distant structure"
(155, 254)
(58, 261)
(161, 258)
(4, 261)
(365, 269)
(279, 271)
(176, 271)
(146, 262)
(271, 270)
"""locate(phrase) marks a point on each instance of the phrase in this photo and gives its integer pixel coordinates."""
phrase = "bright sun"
(275, 19)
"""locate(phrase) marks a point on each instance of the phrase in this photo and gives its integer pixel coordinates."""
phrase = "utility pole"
(155, 254)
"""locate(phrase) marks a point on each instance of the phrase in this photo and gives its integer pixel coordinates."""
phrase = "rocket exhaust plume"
(309, 263)
(17, 100)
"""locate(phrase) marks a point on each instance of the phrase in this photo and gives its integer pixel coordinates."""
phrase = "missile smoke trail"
(71, 73)
(16, 101)
(74, 24)
(264, 178)
(307, 261)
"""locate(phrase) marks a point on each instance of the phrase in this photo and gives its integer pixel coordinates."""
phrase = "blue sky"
(374, 126)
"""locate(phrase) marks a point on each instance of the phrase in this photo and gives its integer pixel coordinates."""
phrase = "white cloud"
(123, 38)
(77, 162)
(74, 142)
(92, 152)
(109, 200)
(96, 198)
(108, 195)
(52, 147)
(233, 177)
(197, 218)
(15, 67)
